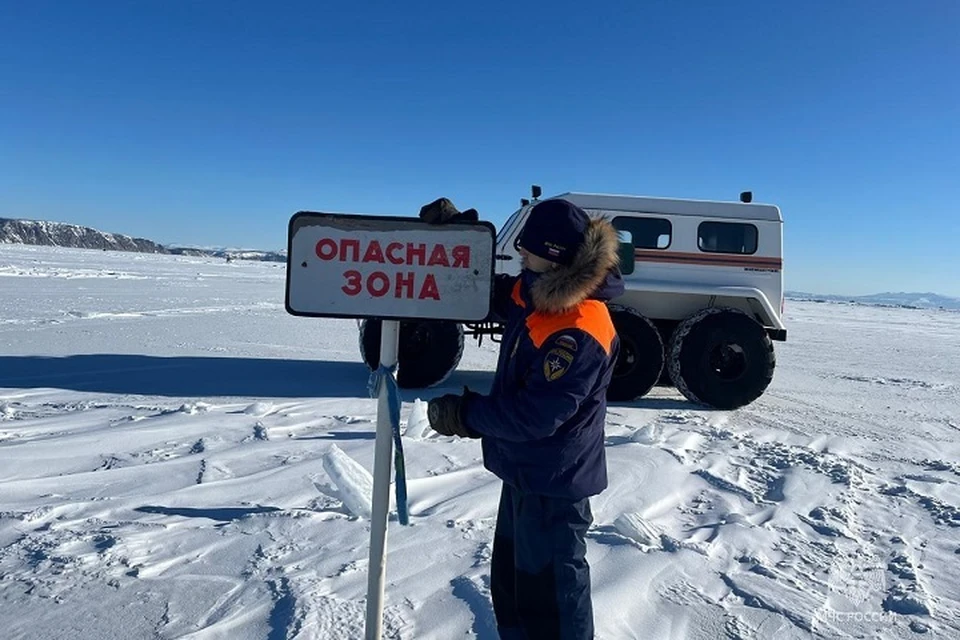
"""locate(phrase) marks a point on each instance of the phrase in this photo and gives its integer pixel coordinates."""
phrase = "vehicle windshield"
(509, 227)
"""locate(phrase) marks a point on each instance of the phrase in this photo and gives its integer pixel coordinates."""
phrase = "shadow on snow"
(201, 376)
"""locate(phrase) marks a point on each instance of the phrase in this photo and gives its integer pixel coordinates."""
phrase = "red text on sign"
(397, 285)
(398, 253)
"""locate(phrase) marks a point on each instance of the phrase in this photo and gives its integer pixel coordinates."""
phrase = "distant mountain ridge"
(60, 234)
(889, 299)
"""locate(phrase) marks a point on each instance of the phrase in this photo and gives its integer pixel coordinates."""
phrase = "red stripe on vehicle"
(724, 260)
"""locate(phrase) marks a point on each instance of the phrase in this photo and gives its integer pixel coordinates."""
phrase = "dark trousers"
(539, 577)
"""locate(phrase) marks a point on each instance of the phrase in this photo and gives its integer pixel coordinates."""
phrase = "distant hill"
(59, 234)
(904, 300)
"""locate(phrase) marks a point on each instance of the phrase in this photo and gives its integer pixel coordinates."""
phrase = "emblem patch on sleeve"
(556, 364)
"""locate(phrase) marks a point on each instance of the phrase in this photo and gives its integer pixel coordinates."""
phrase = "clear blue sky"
(211, 122)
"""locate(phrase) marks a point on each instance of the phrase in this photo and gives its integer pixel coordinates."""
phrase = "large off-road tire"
(641, 358)
(429, 350)
(721, 357)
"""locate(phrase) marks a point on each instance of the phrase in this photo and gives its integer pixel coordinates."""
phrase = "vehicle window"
(727, 237)
(647, 233)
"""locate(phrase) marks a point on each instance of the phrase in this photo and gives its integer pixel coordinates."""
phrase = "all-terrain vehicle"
(703, 300)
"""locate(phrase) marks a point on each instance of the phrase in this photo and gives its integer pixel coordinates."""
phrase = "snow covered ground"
(177, 461)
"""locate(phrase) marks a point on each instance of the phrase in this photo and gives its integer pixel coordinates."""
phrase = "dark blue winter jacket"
(543, 422)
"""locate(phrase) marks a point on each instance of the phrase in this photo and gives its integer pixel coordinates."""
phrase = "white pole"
(389, 342)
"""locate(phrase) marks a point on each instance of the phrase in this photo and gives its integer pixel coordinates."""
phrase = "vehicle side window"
(727, 237)
(646, 233)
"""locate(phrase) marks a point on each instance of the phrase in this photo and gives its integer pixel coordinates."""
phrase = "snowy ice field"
(176, 451)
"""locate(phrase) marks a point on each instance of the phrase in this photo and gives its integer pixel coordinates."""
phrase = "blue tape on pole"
(384, 376)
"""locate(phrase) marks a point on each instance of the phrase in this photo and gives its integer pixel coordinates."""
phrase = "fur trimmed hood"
(565, 287)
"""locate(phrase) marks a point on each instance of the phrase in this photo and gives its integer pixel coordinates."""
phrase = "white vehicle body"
(686, 255)
(703, 300)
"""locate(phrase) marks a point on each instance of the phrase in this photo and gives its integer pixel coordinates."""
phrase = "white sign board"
(351, 266)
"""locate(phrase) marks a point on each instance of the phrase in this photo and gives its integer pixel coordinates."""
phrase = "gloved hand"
(445, 415)
(443, 211)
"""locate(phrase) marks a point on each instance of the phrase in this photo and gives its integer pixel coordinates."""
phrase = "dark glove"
(443, 211)
(446, 416)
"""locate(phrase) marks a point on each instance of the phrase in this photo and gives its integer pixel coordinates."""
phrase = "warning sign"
(353, 266)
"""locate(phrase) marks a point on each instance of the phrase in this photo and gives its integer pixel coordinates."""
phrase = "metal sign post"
(349, 266)
(389, 343)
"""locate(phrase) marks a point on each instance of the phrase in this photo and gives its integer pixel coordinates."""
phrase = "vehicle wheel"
(721, 357)
(429, 350)
(640, 360)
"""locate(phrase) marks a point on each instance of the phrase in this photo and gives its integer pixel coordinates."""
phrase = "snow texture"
(418, 426)
(179, 458)
(353, 483)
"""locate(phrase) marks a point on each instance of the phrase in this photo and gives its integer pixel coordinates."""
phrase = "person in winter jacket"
(542, 425)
